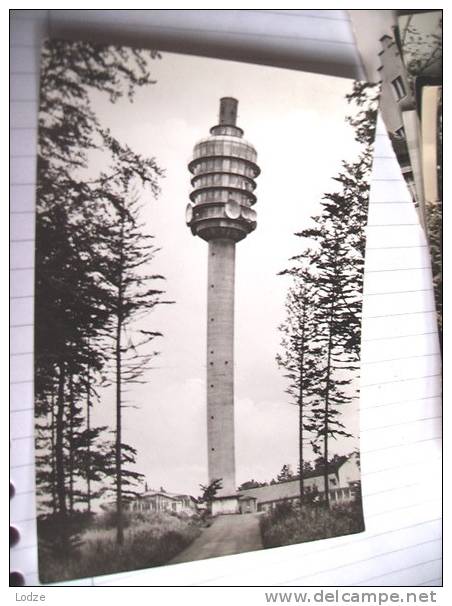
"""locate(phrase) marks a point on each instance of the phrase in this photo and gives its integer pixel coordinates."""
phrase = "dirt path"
(227, 535)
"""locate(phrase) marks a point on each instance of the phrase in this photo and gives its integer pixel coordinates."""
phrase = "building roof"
(332, 468)
(274, 492)
(170, 495)
(291, 488)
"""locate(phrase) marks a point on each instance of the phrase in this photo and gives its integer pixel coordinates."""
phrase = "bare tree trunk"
(300, 450)
(71, 444)
(119, 521)
(328, 387)
(59, 444)
(300, 402)
(325, 437)
(52, 457)
(88, 447)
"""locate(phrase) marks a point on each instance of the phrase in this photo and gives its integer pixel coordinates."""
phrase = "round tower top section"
(224, 168)
(228, 111)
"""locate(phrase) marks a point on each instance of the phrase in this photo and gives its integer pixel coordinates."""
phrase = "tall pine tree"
(72, 306)
(327, 348)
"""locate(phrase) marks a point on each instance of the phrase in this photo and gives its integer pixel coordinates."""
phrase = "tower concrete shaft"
(220, 364)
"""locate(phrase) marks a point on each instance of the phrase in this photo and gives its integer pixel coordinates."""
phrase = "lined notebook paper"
(400, 377)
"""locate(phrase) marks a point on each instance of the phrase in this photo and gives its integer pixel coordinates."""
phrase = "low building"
(247, 503)
(342, 476)
(162, 501)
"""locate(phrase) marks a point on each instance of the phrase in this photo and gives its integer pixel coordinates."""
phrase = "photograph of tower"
(224, 168)
(196, 366)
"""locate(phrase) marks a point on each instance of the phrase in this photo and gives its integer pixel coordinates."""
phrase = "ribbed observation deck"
(224, 170)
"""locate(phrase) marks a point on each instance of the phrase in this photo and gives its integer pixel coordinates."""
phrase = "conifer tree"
(71, 304)
(133, 292)
(298, 357)
(333, 249)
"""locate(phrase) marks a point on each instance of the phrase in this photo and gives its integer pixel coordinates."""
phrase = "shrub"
(148, 542)
(289, 525)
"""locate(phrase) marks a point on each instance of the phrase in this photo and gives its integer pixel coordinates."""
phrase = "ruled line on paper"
(404, 466)
(386, 180)
(429, 397)
(317, 550)
(21, 297)
(303, 14)
(397, 247)
(431, 582)
(20, 547)
(16, 269)
(396, 292)
(389, 338)
(398, 225)
(400, 570)
(401, 445)
(423, 355)
(375, 271)
(368, 559)
(402, 380)
(345, 545)
(404, 423)
(361, 538)
(407, 203)
(408, 313)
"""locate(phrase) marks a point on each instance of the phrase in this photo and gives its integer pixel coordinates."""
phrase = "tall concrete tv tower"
(223, 168)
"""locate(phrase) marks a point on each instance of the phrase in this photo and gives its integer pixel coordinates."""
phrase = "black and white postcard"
(200, 238)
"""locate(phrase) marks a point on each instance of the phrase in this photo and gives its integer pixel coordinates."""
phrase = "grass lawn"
(149, 540)
(287, 524)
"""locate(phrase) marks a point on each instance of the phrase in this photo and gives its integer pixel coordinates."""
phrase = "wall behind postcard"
(400, 403)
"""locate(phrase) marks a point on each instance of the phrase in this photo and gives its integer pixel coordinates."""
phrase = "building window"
(399, 88)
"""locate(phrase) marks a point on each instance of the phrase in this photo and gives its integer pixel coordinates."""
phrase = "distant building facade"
(154, 501)
(396, 93)
(397, 104)
(342, 476)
